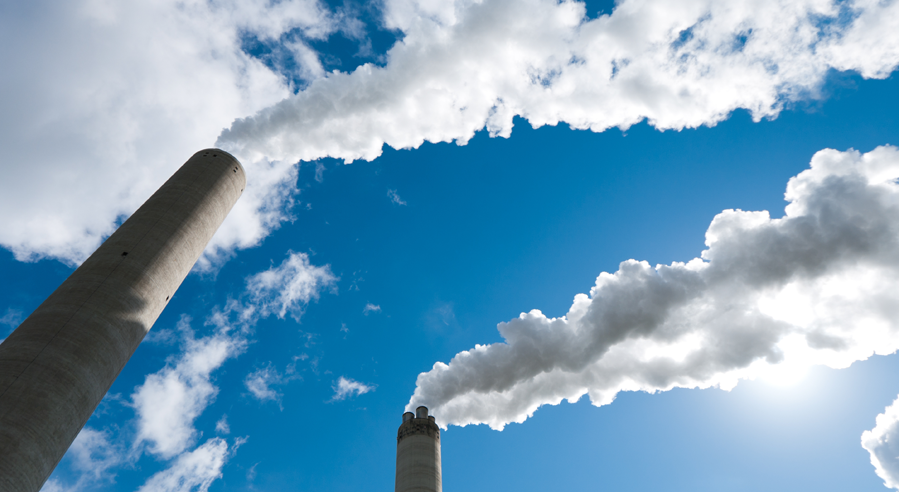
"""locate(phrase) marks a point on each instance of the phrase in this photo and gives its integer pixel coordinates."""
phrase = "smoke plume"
(468, 65)
(767, 297)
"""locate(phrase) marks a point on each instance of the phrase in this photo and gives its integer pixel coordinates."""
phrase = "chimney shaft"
(60, 362)
(418, 454)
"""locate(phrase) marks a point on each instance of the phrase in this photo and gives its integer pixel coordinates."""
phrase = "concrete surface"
(60, 362)
(418, 454)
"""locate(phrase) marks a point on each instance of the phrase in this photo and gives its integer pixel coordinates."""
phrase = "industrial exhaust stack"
(418, 453)
(60, 362)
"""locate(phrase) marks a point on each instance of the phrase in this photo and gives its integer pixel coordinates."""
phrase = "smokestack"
(60, 362)
(418, 453)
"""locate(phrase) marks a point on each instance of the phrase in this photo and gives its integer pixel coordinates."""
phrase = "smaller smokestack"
(418, 453)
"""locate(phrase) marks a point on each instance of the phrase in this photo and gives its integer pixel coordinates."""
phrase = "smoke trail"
(768, 296)
(467, 65)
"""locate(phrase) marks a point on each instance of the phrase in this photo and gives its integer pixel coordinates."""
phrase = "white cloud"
(12, 318)
(288, 287)
(261, 381)
(140, 73)
(170, 400)
(95, 453)
(883, 443)
(53, 485)
(465, 65)
(146, 84)
(194, 471)
(395, 197)
(768, 298)
(92, 455)
(370, 308)
(222, 426)
(346, 388)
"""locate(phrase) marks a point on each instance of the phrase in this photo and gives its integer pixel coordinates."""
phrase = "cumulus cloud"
(883, 443)
(346, 388)
(170, 400)
(174, 71)
(462, 66)
(147, 84)
(194, 471)
(288, 287)
(768, 297)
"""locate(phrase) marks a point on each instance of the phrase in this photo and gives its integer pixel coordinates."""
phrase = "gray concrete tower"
(60, 362)
(418, 453)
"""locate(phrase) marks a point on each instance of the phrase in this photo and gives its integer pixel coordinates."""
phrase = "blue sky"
(334, 285)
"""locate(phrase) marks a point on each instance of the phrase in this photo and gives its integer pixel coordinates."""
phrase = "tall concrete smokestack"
(60, 362)
(418, 453)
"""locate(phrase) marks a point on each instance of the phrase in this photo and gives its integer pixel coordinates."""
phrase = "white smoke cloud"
(465, 65)
(141, 73)
(883, 443)
(103, 101)
(768, 297)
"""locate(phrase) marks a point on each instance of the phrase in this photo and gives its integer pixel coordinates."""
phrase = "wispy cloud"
(169, 401)
(440, 316)
(370, 308)
(346, 388)
(395, 197)
(194, 471)
(12, 318)
(767, 298)
(222, 427)
(288, 288)
(94, 455)
(261, 382)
